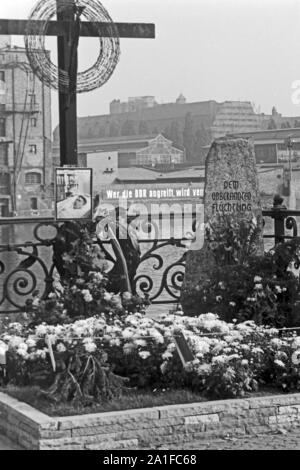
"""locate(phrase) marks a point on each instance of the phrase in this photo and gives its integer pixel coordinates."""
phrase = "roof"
(148, 175)
(154, 147)
(98, 144)
(136, 173)
(272, 134)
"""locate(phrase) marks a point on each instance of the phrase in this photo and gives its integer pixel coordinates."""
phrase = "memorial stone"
(231, 199)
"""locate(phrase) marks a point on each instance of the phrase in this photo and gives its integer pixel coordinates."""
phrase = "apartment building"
(25, 136)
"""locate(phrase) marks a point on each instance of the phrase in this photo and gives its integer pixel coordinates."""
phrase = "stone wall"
(148, 427)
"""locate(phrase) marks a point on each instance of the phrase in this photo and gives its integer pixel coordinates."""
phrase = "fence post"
(279, 216)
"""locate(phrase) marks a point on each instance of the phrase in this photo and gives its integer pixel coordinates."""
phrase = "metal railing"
(28, 266)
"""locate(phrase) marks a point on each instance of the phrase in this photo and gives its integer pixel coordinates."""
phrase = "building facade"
(275, 146)
(189, 126)
(25, 137)
(134, 104)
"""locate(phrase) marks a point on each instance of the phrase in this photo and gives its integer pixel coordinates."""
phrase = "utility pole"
(287, 170)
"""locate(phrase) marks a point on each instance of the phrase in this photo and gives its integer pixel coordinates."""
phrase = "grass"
(132, 400)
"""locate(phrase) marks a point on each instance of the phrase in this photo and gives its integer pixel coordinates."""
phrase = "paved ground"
(282, 441)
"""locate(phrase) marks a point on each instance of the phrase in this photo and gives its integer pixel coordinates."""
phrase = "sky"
(206, 49)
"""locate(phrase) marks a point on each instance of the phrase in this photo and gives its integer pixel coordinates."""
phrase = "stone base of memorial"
(148, 427)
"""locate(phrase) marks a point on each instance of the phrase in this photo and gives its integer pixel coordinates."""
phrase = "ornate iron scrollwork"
(26, 267)
(291, 224)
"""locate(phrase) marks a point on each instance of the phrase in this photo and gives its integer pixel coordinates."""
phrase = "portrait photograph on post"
(73, 193)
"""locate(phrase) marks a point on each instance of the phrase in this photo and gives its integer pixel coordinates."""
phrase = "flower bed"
(96, 358)
(84, 346)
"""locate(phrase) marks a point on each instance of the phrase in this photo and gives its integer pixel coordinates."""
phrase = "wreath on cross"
(39, 58)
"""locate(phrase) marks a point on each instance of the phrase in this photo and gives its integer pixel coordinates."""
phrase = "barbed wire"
(39, 57)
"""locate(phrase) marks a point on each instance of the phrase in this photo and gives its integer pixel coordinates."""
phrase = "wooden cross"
(65, 29)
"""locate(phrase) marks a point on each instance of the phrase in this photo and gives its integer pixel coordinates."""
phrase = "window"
(33, 203)
(33, 122)
(3, 154)
(2, 127)
(4, 209)
(2, 76)
(33, 178)
(4, 183)
(32, 148)
(1, 57)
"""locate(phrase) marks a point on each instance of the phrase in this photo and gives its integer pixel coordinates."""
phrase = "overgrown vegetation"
(246, 286)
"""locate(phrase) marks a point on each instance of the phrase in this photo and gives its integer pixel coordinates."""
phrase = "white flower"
(278, 289)
(52, 338)
(244, 362)
(127, 333)
(257, 279)
(218, 298)
(204, 369)
(144, 354)
(36, 302)
(132, 320)
(41, 353)
(208, 317)
(127, 295)
(178, 312)
(245, 347)
(166, 355)
(41, 330)
(296, 343)
(232, 304)
(107, 296)
(157, 337)
(16, 326)
(61, 347)
(90, 346)
(98, 277)
(257, 351)
(15, 341)
(3, 349)
(279, 363)
(87, 295)
(276, 342)
(52, 295)
(100, 325)
(201, 345)
(140, 342)
(233, 356)
(258, 286)
(219, 359)
(31, 343)
(23, 353)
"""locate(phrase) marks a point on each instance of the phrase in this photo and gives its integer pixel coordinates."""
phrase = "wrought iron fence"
(26, 266)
